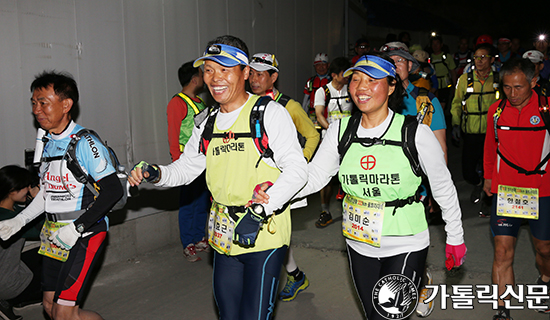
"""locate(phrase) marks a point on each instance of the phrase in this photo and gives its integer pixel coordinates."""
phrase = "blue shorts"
(245, 286)
(506, 226)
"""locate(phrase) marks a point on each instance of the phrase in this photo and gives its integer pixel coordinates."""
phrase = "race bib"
(220, 229)
(518, 202)
(362, 220)
(49, 249)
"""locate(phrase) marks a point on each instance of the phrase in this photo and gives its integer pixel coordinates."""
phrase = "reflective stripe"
(190, 102)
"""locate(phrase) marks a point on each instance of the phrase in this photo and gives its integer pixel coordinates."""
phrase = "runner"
(250, 242)
(381, 176)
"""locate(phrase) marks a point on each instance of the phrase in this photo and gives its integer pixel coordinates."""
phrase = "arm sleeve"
(305, 103)
(305, 127)
(111, 192)
(444, 192)
(35, 208)
(189, 165)
(490, 147)
(176, 112)
(456, 105)
(325, 164)
(288, 157)
(438, 119)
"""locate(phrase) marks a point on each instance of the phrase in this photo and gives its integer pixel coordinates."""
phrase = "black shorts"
(68, 279)
(506, 226)
(366, 272)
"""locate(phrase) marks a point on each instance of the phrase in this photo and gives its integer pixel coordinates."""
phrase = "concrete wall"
(124, 55)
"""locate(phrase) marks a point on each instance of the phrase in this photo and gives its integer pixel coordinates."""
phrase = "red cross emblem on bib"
(368, 162)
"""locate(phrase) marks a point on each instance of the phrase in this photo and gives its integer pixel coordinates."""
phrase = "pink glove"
(455, 255)
(264, 185)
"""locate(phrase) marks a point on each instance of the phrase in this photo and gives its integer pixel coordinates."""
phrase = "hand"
(248, 225)
(143, 172)
(455, 255)
(487, 186)
(11, 226)
(65, 237)
(456, 133)
(259, 195)
(33, 191)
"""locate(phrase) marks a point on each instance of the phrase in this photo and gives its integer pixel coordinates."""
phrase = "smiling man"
(516, 141)
(75, 228)
(250, 241)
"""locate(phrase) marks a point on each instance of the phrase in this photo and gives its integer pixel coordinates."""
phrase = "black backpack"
(257, 129)
(86, 179)
(408, 132)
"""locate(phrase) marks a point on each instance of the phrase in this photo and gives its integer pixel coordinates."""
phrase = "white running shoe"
(425, 309)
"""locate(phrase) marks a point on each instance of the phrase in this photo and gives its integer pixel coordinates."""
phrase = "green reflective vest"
(383, 173)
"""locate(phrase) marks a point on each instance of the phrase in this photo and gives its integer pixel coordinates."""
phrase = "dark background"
(522, 19)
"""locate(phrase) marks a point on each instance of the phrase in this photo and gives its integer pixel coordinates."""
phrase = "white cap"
(264, 62)
(534, 55)
(321, 58)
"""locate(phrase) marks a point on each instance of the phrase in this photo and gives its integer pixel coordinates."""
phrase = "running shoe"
(544, 302)
(485, 210)
(341, 194)
(501, 315)
(26, 304)
(475, 196)
(202, 246)
(190, 253)
(293, 287)
(425, 309)
(6, 311)
(324, 220)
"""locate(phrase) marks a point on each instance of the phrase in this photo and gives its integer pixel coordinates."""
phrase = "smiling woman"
(382, 216)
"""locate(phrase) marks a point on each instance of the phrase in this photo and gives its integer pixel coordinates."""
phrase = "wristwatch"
(80, 228)
(259, 210)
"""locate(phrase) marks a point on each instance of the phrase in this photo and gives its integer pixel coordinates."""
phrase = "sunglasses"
(261, 60)
(482, 57)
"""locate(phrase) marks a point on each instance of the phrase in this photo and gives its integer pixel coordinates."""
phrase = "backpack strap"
(496, 82)
(201, 116)
(327, 95)
(74, 166)
(347, 137)
(469, 89)
(283, 99)
(408, 132)
(545, 115)
(259, 135)
(257, 130)
(208, 128)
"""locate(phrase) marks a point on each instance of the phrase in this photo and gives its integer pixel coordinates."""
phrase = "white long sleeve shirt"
(326, 164)
(288, 156)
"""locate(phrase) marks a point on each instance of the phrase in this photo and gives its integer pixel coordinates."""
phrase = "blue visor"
(223, 54)
(374, 66)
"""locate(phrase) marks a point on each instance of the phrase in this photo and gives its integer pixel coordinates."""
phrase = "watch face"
(80, 228)
(259, 209)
